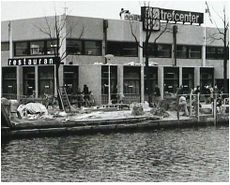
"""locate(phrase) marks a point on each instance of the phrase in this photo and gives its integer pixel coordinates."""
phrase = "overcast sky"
(11, 10)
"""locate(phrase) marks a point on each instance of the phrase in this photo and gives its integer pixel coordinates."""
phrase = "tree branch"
(132, 32)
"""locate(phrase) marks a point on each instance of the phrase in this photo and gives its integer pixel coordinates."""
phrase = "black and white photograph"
(115, 91)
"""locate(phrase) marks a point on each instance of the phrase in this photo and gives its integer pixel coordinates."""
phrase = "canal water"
(157, 155)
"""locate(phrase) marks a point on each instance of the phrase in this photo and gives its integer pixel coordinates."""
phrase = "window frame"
(83, 46)
(120, 49)
(187, 52)
(215, 53)
(155, 54)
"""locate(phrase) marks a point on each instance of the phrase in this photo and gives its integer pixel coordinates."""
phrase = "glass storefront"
(171, 79)
(9, 82)
(71, 79)
(153, 78)
(105, 82)
(206, 77)
(28, 80)
(187, 79)
(132, 83)
(46, 80)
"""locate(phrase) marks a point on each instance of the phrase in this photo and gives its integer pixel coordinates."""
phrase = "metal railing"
(208, 105)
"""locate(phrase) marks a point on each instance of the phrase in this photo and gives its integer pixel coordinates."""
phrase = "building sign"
(152, 16)
(132, 17)
(32, 61)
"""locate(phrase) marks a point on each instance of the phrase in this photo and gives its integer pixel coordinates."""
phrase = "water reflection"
(165, 155)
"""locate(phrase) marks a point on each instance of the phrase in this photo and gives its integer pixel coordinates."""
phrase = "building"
(27, 63)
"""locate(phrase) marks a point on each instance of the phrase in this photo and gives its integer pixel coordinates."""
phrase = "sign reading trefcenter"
(32, 61)
(151, 17)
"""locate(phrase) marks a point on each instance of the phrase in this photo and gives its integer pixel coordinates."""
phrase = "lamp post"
(107, 58)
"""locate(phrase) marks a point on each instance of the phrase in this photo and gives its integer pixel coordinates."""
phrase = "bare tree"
(57, 31)
(149, 31)
(221, 34)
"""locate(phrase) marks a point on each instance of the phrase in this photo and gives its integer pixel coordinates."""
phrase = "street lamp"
(107, 58)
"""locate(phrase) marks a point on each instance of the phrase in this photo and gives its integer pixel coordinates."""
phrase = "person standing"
(86, 94)
(79, 98)
(157, 95)
(183, 105)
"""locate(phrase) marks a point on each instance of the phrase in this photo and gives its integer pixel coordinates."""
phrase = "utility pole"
(175, 29)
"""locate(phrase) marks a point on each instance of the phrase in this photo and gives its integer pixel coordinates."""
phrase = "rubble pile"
(137, 109)
(158, 111)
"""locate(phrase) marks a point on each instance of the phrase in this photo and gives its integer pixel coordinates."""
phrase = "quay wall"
(102, 126)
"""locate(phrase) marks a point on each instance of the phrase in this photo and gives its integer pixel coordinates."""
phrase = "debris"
(137, 109)
(158, 111)
(31, 109)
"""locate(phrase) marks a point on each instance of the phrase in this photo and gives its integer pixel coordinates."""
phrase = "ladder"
(64, 99)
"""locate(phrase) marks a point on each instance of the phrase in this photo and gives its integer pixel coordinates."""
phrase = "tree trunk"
(148, 84)
(57, 85)
(225, 62)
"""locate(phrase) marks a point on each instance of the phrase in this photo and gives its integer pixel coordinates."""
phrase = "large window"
(194, 52)
(92, 48)
(215, 52)
(171, 79)
(181, 51)
(127, 49)
(83, 47)
(188, 79)
(46, 80)
(74, 47)
(28, 80)
(132, 80)
(206, 77)
(30, 48)
(190, 52)
(153, 71)
(21, 48)
(5, 46)
(9, 82)
(159, 50)
(105, 83)
(37, 48)
(51, 47)
(71, 79)
(105, 79)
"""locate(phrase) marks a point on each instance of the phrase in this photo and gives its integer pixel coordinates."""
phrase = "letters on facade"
(152, 16)
(32, 61)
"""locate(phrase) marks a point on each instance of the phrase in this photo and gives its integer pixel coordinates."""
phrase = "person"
(180, 90)
(114, 95)
(218, 103)
(196, 90)
(183, 105)
(79, 98)
(86, 94)
(216, 91)
(195, 101)
(157, 96)
(206, 93)
(211, 95)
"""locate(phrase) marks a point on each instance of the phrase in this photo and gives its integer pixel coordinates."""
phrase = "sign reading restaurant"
(151, 17)
(32, 61)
